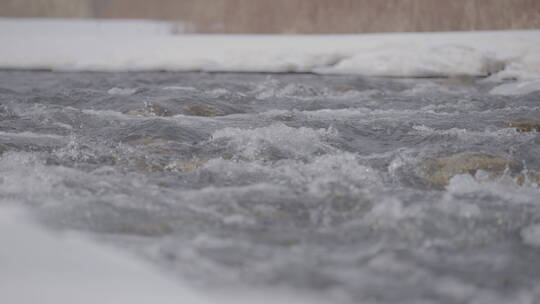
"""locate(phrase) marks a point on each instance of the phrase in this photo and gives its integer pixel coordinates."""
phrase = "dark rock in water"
(462, 80)
(284, 117)
(204, 110)
(529, 178)
(151, 109)
(439, 171)
(186, 166)
(525, 124)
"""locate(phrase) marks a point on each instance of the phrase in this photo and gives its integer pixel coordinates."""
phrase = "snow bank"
(40, 267)
(29, 45)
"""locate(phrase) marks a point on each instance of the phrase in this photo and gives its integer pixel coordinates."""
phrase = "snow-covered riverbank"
(149, 46)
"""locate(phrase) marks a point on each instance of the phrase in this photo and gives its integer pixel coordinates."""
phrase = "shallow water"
(301, 181)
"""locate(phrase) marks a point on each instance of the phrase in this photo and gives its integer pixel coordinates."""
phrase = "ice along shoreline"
(114, 46)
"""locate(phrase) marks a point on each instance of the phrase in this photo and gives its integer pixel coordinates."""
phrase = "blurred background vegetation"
(297, 16)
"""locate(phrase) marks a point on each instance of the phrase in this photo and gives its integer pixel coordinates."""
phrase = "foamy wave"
(504, 188)
(341, 167)
(464, 134)
(277, 139)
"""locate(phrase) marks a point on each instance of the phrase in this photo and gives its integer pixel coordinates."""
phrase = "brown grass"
(299, 16)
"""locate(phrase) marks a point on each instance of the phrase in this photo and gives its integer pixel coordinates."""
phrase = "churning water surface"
(357, 189)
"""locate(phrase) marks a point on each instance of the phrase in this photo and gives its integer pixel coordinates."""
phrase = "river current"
(342, 187)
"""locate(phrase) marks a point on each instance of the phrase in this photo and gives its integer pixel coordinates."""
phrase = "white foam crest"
(367, 113)
(351, 113)
(74, 150)
(180, 88)
(291, 90)
(26, 173)
(329, 169)
(295, 142)
(318, 114)
(122, 91)
(31, 135)
(464, 134)
(531, 235)
(389, 211)
(272, 88)
(111, 113)
(429, 88)
(461, 105)
(504, 188)
(317, 177)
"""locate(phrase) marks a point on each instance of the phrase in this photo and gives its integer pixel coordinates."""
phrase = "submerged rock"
(528, 178)
(439, 171)
(156, 165)
(287, 116)
(146, 165)
(525, 124)
(186, 165)
(204, 110)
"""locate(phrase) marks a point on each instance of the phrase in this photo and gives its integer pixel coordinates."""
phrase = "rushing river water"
(353, 189)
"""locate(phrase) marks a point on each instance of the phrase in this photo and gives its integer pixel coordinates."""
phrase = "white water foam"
(295, 142)
(531, 235)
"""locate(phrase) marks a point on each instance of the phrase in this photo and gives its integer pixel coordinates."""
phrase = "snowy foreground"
(145, 46)
(47, 268)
